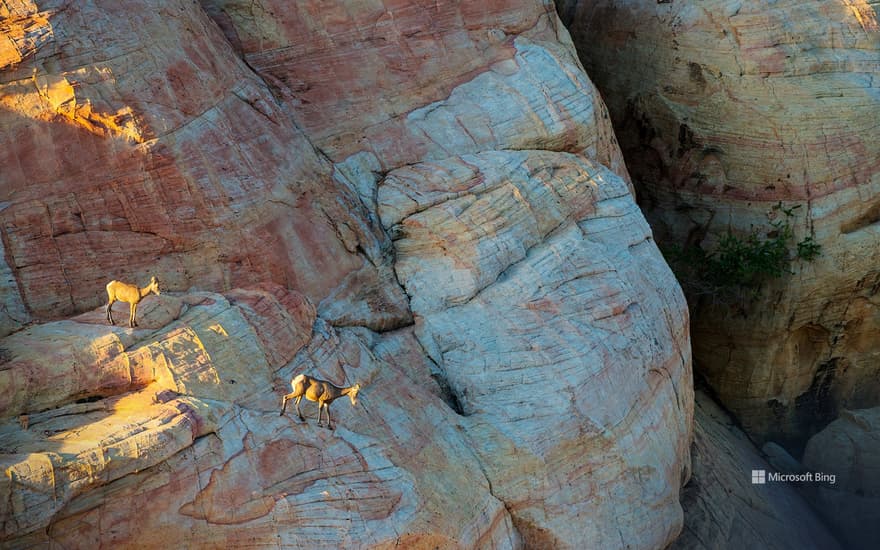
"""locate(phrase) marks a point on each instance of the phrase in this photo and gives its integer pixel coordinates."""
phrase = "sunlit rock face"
(439, 205)
(185, 445)
(723, 109)
(136, 142)
(723, 509)
(849, 449)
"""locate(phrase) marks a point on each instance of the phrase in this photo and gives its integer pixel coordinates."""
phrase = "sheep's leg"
(298, 413)
(320, 411)
(329, 425)
(132, 311)
(284, 404)
(110, 311)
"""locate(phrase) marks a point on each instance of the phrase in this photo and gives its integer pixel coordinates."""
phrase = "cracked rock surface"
(427, 200)
(183, 443)
(563, 337)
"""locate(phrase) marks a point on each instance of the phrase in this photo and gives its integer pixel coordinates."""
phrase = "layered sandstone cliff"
(428, 200)
(724, 109)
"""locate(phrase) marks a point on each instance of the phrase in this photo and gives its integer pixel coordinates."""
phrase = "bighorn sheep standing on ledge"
(124, 292)
(321, 391)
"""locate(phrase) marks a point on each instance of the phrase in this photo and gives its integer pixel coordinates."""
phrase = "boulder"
(849, 450)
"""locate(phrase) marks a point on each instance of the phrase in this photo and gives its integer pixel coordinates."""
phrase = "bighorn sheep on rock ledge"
(321, 391)
(124, 292)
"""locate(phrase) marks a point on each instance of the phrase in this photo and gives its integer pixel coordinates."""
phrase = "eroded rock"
(724, 109)
(135, 143)
(199, 450)
(538, 292)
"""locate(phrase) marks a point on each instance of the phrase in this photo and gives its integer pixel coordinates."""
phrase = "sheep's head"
(154, 285)
(354, 393)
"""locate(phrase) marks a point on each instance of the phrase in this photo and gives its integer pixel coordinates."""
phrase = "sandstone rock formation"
(430, 201)
(723, 509)
(136, 142)
(190, 448)
(724, 108)
(849, 448)
(410, 82)
(534, 333)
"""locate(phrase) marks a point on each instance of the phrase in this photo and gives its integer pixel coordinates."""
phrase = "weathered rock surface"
(724, 510)
(563, 338)
(724, 108)
(194, 448)
(336, 149)
(849, 448)
(136, 142)
(408, 81)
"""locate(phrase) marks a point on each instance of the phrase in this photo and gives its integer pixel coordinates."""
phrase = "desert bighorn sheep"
(124, 292)
(321, 391)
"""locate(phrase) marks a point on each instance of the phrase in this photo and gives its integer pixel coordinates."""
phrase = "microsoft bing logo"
(759, 477)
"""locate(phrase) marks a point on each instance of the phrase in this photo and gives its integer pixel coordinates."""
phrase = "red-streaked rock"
(136, 143)
(407, 82)
(281, 319)
(725, 108)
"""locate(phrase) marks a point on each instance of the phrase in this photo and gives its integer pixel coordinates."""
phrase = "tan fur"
(124, 292)
(320, 391)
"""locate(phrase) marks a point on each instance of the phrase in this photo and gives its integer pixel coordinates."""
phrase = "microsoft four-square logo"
(759, 477)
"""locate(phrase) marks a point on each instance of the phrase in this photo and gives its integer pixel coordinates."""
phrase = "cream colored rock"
(849, 449)
(200, 456)
(13, 314)
(539, 293)
(724, 510)
(723, 109)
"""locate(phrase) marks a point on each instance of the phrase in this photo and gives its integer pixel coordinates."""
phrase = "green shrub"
(742, 262)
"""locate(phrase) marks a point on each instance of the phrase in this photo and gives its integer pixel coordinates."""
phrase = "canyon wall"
(725, 109)
(427, 199)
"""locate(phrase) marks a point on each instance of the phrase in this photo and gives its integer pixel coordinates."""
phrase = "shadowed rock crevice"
(724, 509)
